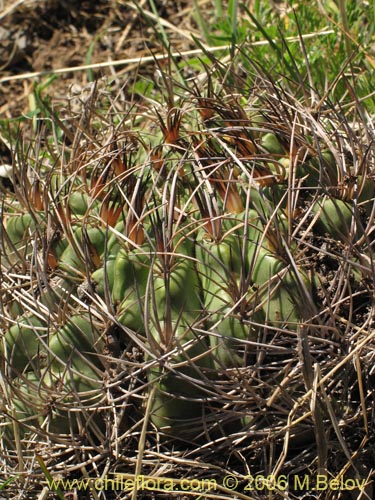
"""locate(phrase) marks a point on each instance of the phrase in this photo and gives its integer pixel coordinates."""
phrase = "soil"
(37, 36)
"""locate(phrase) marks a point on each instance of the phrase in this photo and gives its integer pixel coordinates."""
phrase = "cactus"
(180, 388)
(334, 218)
(184, 270)
(23, 343)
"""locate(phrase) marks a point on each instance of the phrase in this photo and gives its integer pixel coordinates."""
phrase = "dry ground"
(39, 36)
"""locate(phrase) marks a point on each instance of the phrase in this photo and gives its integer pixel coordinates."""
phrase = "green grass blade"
(8, 482)
(202, 24)
(218, 9)
(48, 476)
(163, 34)
(272, 43)
(233, 13)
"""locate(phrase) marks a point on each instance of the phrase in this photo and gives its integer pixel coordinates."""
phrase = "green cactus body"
(105, 276)
(263, 263)
(177, 401)
(183, 288)
(178, 248)
(80, 378)
(74, 262)
(72, 194)
(21, 229)
(276, 195)
(174, 411)
(229, 326)
(78, 335)
(114, 244)
(21, 346)
(78, 203)
(280, 309)
(15, 309)
(96, 237)
(131, 269)
(330, 167)
(75, 371)
(220, 266)
(123, 275)
(309, 172)
(272, 144)
(57, 294)
(79, 385)
(367, 194)
(316, 170)
(27, 406)
(279, 290)
(59, 247)
(71, 263)
(18, 228)
(130, 312)
(335, 217)
(218, 261)
(37, 399)
(265, 199)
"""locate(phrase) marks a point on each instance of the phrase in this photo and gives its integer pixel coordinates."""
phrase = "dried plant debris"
(189, 283)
